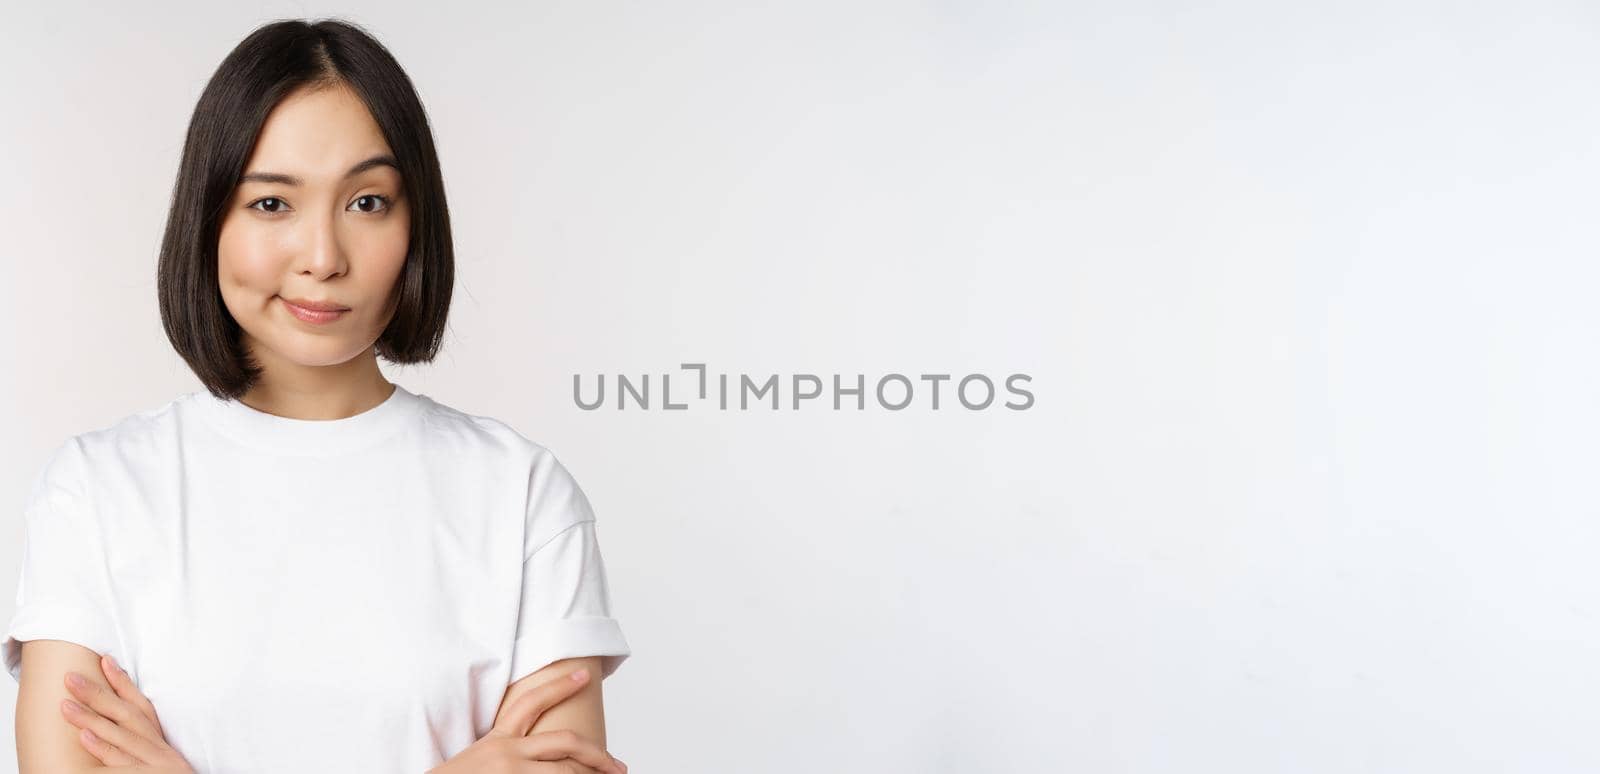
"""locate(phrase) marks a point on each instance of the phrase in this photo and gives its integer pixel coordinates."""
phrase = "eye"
(386, 201)
(275, 200)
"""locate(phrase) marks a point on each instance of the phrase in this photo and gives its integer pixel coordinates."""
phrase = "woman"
(305, 567)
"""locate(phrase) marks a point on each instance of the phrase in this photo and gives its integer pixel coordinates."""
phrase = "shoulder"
(553, 500)
(119, 445)
(457, 431)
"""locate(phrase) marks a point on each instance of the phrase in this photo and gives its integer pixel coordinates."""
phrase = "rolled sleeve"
(62, 590)
(565, 608)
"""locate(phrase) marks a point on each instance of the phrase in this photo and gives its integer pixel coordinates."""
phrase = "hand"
(121, 729)
(507, 747)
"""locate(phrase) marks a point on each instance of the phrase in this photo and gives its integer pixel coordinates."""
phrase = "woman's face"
(316, 220)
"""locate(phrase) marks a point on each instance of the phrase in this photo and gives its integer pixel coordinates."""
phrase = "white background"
(1307, 293)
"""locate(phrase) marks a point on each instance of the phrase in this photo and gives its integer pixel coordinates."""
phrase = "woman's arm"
(46, 742)
(582, 712)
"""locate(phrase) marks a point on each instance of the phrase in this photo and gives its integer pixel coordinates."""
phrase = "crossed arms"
(48, 744)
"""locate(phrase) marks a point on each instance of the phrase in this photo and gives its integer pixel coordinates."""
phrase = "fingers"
(529, 706)
(108, 716)
(555, 745)
(130, 693)
(100, 699)
(105, 751)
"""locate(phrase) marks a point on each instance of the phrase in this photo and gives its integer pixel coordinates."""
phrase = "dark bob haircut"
(270, 64)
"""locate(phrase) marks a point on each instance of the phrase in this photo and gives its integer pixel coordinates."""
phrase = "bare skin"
(329, 238)
(329, 235)
(121, 729)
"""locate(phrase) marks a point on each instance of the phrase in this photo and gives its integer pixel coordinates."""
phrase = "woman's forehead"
(319, 136)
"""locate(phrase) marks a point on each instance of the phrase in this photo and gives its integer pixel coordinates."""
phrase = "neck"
(296, 391)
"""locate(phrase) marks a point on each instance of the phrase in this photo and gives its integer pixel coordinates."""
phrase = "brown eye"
(376, 200)
(275, 201)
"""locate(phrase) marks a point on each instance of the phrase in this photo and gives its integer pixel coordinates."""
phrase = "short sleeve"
(63, 592)
(565, 607)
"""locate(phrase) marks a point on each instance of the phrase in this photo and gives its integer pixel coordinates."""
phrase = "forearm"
(70, 769)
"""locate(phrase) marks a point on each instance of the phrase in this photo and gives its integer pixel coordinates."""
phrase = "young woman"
(305, 567)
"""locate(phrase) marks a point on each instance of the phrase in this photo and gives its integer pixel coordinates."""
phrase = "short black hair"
(268, 65)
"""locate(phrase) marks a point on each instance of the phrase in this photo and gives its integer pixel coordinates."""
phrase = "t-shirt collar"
(310, 437)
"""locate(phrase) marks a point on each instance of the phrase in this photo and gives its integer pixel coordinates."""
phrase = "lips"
(308, 311)
(317, 306)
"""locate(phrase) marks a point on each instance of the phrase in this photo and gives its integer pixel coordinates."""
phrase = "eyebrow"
(383, 160)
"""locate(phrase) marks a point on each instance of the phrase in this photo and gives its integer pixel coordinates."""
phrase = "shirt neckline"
(310, 437)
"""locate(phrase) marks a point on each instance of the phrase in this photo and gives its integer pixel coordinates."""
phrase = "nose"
(324, 254)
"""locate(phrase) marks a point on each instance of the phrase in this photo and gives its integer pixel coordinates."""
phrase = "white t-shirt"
(301, 595)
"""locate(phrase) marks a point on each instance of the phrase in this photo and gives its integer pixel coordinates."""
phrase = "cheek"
(388, 248)
(246, 260)
(395, 238)
(385, 249)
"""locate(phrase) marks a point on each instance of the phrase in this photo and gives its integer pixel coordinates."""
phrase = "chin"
(317, 351)
(311, 362)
